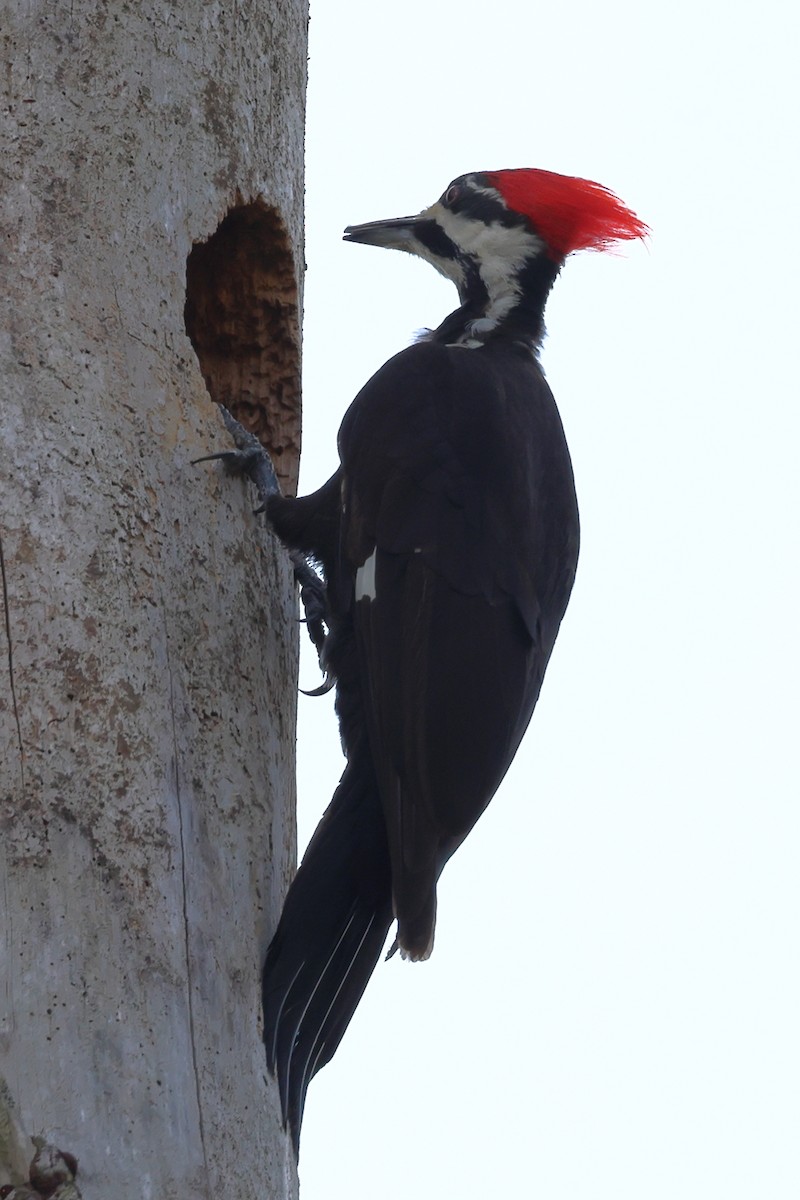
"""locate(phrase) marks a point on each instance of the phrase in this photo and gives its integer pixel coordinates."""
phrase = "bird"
(448, 541)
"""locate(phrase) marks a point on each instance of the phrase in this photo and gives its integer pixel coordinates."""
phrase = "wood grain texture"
(148, 636)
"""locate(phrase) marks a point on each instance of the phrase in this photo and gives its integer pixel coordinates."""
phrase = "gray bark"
(148, 635)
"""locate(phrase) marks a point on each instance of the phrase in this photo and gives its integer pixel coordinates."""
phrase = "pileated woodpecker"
(448, 538)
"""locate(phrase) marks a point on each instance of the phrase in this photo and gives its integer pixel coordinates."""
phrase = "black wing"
(460, 529)
(454, 520)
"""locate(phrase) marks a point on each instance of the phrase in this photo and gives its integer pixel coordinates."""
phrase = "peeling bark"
(149, 632)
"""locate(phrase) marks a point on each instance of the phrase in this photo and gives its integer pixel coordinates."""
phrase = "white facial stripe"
(449, 267)
(498, 250)
(365, 579)
(484, 189)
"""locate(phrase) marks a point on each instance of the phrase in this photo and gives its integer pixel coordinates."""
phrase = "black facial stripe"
(473, 289)
(434, 239)
(479, 205)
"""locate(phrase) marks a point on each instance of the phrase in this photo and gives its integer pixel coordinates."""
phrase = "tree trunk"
(149, 630)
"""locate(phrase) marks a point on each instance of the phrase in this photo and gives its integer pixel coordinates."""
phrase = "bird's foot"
(251, 459)
(313, 597)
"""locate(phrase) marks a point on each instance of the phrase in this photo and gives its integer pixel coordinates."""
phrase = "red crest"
(569, 213)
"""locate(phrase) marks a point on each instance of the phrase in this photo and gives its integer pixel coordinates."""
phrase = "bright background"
(612, 1011)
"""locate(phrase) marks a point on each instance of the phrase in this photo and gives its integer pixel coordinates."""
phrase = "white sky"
(612, 1011)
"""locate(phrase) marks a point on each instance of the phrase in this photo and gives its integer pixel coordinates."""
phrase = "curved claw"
(314, 601)
(223, 454)
(249, 458)
(237, 462)
(327, 685)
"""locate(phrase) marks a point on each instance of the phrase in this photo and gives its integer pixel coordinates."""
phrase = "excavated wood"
(241, 314)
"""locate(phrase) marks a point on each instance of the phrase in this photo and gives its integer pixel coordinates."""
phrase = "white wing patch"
(365, 579)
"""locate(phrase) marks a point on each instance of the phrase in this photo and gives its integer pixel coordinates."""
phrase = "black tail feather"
(331, 933)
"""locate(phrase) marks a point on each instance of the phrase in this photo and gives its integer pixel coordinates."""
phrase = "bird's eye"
(452, 194)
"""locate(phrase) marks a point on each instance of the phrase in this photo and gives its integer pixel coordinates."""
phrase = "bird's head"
(502, 237)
